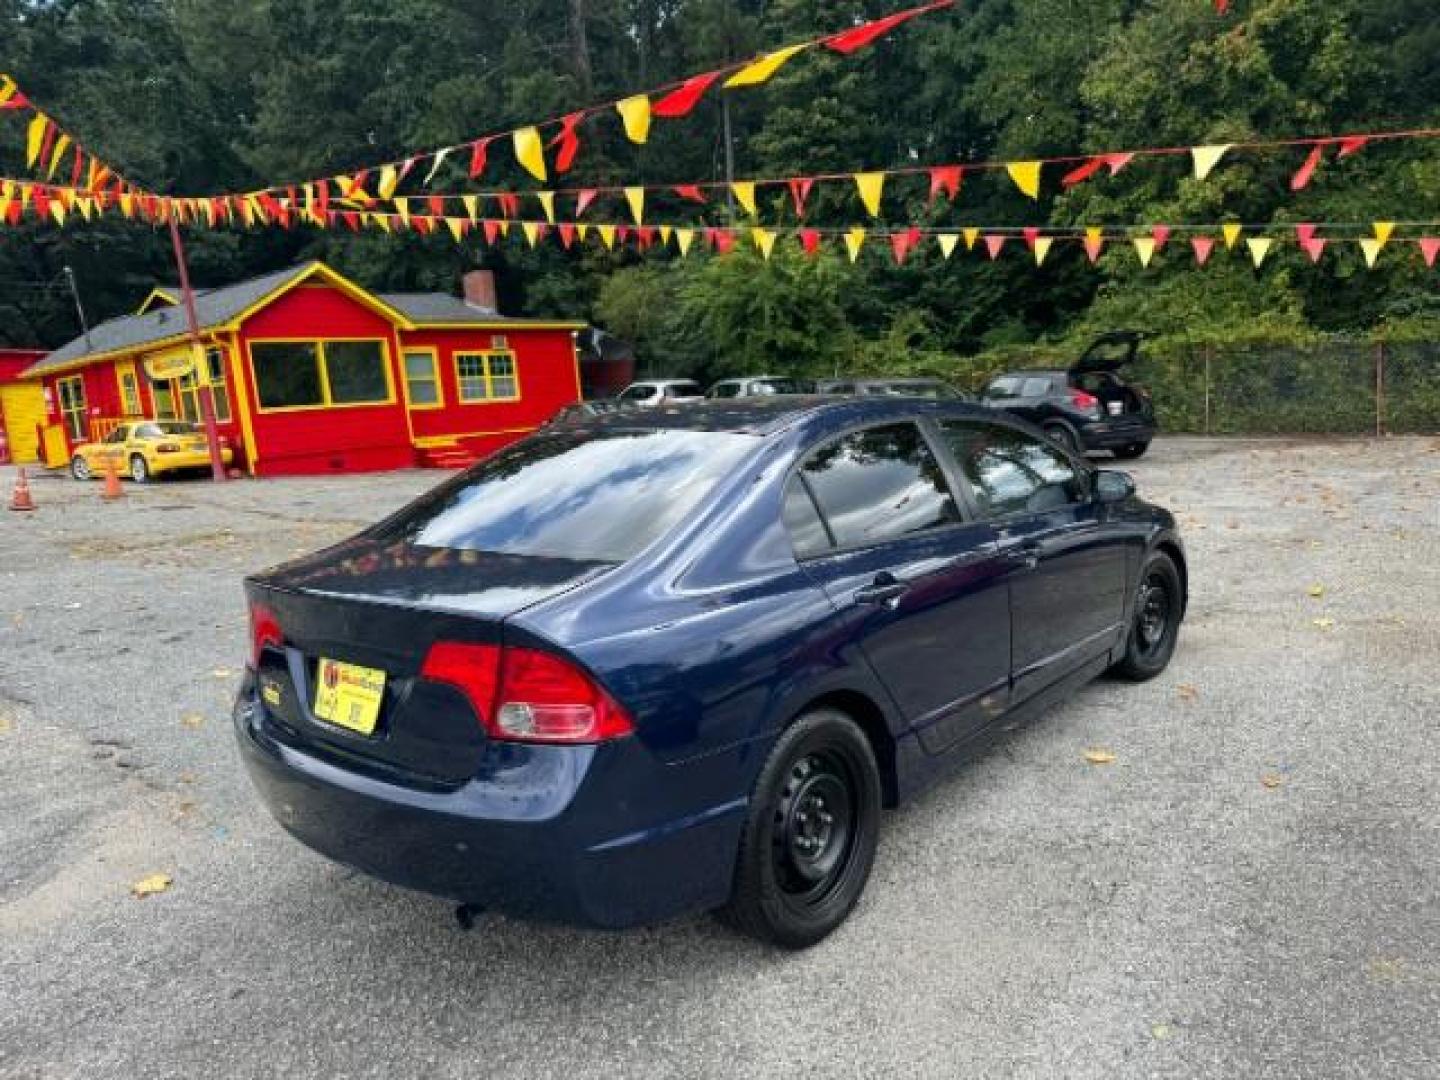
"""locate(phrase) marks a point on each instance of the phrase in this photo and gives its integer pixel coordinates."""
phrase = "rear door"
(875, 522)
(1067, 565)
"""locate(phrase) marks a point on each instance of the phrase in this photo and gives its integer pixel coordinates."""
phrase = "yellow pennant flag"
(457, 227)
(947, 242)
(57, 211)
(1145, 248)
(402, 211)
(683, 239)
(764, 240)
(1383, 231)
(1231, 231)
(1026, 175)
(530, 151)
(389, 180)
(86, 203)
(56, 154)
(854, 239)
(532, 232)
(1042, 248)
(635, 112)
(472, 206)
(870, 185)
(1371, 249)
(1259, 248)
(504, 226)
(582, 230)
(665, 233)
(127, 204)
(607, 235)
(972, 237)
(35, 138)
(547, 202)
(758, 71)
(745, 194)
(635, 196)
(383, 220)
(1207, 157)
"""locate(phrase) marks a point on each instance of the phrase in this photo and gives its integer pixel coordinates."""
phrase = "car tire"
(1155, 624)
(1064, 435)
(139, 468)
(810, 836)
(80, 468)
(1133, 451)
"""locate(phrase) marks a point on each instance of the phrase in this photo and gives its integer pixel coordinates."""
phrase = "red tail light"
(1083, 400)
(168, 448)
(527, 695)
(264, 632)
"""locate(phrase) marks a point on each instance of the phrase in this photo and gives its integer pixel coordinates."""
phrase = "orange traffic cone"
(112, 481)
(20, 498)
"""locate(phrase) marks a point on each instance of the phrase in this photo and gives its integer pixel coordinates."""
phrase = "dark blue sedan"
(680, 659)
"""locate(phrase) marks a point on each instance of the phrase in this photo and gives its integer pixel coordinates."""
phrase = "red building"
(310, 373)
(22, 407)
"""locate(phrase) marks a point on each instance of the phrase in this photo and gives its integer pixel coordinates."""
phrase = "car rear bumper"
(188, 459)
(544, 832)
(1108, 434)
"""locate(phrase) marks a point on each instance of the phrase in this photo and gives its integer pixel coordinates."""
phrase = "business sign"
(171, 365)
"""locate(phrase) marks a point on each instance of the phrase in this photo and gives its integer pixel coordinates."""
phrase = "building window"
(219, 389)
(422, 379)
(164, 394)
(129, 392)
(316, 374)
(487, 376)
(72, 406)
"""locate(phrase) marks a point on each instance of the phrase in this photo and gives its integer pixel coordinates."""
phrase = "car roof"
(768, 415)
(1035, 372)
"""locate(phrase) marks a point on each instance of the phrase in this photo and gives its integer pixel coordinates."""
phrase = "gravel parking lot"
(1249, 889)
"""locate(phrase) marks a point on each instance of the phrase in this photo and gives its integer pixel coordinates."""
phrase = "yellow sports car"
(146, 448)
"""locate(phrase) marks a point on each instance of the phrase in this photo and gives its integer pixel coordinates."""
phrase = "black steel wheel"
(79, 468)
(1132, 451)
(1155, 624)
(810, 836)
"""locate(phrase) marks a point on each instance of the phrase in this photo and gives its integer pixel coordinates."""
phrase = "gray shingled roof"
(214, 307)
(437, 309)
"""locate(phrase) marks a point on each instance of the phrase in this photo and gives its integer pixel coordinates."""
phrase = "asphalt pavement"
(1249, 889)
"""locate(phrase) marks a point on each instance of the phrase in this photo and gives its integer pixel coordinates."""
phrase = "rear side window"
(638, 393)
(807, 529)
(1035, 388)
(1007, 386)
(1012, 472)
(592, 496)
(879, 484)
(725, 390)
(688, 389)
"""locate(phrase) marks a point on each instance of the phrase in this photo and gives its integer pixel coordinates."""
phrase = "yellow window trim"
(326, 403)
(241, 404)
(79, 380)
(485, 356)
(434, 354)
(121, 370)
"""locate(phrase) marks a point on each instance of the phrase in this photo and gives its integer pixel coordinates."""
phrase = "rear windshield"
(593, 496)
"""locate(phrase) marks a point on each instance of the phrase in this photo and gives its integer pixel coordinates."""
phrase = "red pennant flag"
(437, 205)
(1352, 145)
(945, 178)
(567, 235)
(800, 191)
(1301, 180)
(47, 143)
(685, 97)
(322, 197)
(645, 236)
(17, 100)
(994, 245)
(1222, 6)
(622, 233)
(1314, 247)
(1031, 234)
(492, 229)
(583, 200)
(13, 212)
(351, 219)
(1094, 245)
(40, 201)
(690, 191)
(848, 41)
(902, 242)
(1160, 234)
(1203, 246)
(478, 152)
(724, 241)
(1082, 173)
(509, 203)
(1116, 162)
(810, 241)
(78, 166)
(1304, 233)
(1429, 248)
(568, 141)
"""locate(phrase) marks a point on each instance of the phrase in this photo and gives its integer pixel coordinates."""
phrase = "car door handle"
(1025, 554)
(883, 590)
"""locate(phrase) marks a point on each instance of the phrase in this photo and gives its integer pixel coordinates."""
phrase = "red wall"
(544, 363)
(14, 361)
(351, 439)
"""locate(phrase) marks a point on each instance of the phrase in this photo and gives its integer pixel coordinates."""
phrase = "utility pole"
(79, 309)
(197, 354)
(729, 155)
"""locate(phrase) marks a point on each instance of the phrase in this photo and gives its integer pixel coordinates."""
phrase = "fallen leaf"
(1187, 692)
(1099, 757)
(1317, 591)
(192, 720)
(222, 673)
(1323, 624)
(1272, 780)
(149, 886)
(6, 724)
(1160, 1031)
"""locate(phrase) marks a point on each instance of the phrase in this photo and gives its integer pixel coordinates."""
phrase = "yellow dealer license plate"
(348, 695)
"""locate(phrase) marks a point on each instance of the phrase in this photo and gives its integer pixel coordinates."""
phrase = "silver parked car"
(755, 386)
(652, 393)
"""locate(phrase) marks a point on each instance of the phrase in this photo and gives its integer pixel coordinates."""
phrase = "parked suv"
(926, 388)
(653, 393)
(755, 386)
(1087, 406)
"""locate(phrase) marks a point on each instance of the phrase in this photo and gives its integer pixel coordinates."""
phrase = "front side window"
(219, 389)
(1035, 388)
(879, 484)
(681, 390)
(487, 376)
(355, 372)
(725, 390)
(287, 374)
(129, 392)
(119, 435)
(574, 494)
(1007, 386)
(72, 406)
(1012, 472)
(422, 379)
(638, 393)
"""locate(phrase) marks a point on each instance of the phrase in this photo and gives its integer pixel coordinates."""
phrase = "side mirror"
(1113, 486)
